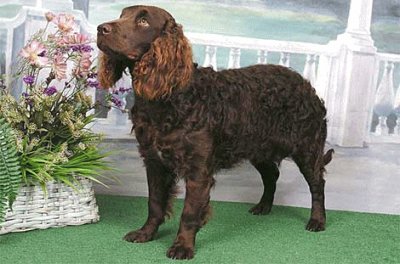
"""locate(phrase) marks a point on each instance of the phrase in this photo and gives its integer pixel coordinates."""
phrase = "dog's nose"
(104, 29)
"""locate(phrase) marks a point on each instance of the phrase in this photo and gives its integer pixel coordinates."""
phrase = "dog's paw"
(260, 209)
(138, 236)
(180, 252)
(315, 225)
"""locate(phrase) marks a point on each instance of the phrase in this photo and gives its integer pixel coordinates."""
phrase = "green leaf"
(10, 168)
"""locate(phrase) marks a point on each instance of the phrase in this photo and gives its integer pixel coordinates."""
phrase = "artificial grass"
(232, 236)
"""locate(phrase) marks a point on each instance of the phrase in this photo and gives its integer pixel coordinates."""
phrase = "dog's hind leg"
(311, 164)
(269, 174)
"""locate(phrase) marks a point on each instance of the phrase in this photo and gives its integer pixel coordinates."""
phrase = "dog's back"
(266, 110)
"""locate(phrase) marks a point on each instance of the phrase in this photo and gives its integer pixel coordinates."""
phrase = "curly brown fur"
(110, 70)
(167, 65)
(190, 122)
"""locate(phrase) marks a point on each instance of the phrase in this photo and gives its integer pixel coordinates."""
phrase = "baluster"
(382, 129)
(234, 58)
(285, 59)
(309, 68)
(397, 111)
(384, 98)
(262, 56)
(397, 127)
(210, 59)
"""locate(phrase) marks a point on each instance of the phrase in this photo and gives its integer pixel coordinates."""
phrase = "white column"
(359, 21)
(9, 52)
(353, 90)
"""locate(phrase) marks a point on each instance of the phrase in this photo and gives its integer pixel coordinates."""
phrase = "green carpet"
(232, 236)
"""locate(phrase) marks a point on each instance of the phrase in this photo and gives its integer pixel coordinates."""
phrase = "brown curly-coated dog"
(190, 122)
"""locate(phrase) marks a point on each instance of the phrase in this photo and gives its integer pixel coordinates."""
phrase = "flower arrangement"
(50, 120)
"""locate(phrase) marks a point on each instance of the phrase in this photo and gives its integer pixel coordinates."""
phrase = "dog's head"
(148, 41)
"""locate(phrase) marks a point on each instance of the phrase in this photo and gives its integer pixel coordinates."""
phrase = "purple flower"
(42, 54)
(93, 83)
(26, 95)
(86, 48)
(124, 90)
(75, 48)
(116, 101)
(49, 91)
(82, 48)
(29, 79)
(92, 75)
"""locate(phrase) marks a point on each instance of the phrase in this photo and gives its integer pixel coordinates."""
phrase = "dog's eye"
(142, 22)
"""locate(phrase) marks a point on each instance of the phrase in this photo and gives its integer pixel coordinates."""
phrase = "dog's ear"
(166, 66)
(109, 70)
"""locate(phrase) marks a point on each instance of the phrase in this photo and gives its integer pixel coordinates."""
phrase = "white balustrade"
(382, 128)
(310, 68)
(211, 57)
(397, 111)
(397, 127)
(384, 98)
(234, 58)
(285, 59)
(387, 102)
(262, 57)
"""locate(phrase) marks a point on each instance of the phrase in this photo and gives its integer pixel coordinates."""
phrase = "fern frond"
(10, 168)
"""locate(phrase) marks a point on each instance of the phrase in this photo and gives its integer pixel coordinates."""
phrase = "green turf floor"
(232, 236)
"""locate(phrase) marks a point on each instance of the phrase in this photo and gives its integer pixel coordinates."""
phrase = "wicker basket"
(63, 206)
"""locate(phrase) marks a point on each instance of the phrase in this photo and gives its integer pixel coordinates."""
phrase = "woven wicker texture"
(61, 207)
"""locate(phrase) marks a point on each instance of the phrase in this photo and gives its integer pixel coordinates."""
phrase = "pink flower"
(64, 22)
(50, 16)
(75, 39)
(77, 42)
(82, 68)
(35, 53)
(59, 66)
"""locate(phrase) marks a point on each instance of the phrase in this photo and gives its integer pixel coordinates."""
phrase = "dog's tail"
(328, 156)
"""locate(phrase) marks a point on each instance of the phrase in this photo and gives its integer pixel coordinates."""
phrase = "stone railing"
(264, 48)
(385, 125)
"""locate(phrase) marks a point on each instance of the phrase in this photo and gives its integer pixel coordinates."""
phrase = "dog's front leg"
(161, 183)
(194, 216)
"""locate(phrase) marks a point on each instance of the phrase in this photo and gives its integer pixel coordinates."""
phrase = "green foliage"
(60, 162)
(51, 118)
(10, 169)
